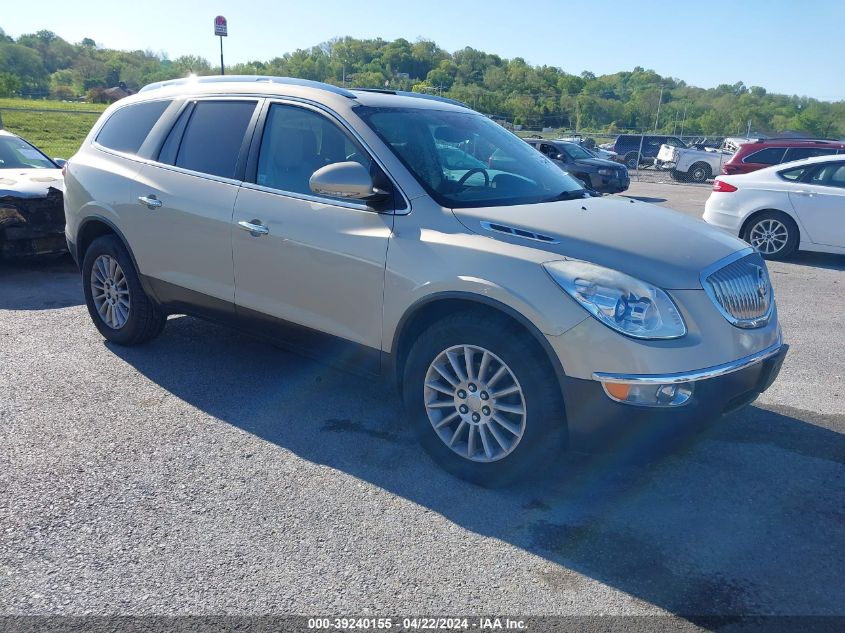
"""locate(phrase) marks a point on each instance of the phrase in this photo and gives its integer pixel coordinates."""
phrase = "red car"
(773, 151)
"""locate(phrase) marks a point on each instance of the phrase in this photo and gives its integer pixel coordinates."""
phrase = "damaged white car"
(32, 217)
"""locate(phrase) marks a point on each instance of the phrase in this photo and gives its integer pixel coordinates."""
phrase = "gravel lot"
(209, 473)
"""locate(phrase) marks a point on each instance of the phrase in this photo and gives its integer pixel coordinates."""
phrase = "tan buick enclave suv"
(517, 312)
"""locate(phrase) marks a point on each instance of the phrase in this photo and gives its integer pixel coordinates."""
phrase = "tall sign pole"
(221, 29)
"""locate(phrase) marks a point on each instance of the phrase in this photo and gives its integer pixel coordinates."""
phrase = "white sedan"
(798, 205)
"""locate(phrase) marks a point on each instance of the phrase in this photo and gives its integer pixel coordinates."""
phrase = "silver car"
(518, 314)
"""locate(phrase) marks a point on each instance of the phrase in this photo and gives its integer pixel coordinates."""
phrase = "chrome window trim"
(745, 324)
(335, 202)
(693, 376)
(191, 172)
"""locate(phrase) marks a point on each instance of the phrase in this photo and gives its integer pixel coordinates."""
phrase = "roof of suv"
(291, 86)
(745, 149)
(792, 142)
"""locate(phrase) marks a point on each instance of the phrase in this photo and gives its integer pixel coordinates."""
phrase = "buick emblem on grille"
(762, 283)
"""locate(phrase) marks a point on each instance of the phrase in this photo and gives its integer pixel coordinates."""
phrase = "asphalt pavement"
(210, 473)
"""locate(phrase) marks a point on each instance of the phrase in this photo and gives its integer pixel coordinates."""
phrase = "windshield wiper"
(575, 194)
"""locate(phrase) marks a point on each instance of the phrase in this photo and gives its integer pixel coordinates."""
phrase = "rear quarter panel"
(97, 185)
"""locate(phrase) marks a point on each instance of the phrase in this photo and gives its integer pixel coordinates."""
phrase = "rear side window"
(214, 136)
(126, 129)
(768, 156)
(794, 174)
(800, 153)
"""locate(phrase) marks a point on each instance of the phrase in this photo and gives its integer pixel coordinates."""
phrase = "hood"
(597, 163)
(663, 247)
(29, 183)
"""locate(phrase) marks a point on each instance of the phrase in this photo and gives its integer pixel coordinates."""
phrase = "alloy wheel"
(769, 236)
(475, 403)
(110, 291)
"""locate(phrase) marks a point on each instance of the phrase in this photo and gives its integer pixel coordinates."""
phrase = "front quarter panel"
(442, 258)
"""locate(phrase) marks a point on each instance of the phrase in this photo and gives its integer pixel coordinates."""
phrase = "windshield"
(464, 159)
(16, 153)
(576, 152)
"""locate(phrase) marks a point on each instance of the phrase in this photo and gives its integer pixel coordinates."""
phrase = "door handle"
(255, 228)
(151, 202)
(802, 192)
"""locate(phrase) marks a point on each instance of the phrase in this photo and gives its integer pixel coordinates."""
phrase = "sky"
(786, 46)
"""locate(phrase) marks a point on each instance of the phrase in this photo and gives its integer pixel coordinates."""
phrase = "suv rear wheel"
(116, 301)
(483, 400)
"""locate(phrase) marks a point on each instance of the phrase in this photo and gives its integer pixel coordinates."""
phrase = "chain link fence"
(655, 157)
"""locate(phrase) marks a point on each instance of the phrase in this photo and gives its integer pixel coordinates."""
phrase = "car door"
(315, 261)
(185, 199)
(819, 202)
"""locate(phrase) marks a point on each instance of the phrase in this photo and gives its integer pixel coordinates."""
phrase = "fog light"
(649, 395)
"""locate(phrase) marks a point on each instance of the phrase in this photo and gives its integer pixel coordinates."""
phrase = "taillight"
(722, 186)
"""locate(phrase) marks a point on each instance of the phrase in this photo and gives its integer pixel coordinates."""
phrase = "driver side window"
(296, 142)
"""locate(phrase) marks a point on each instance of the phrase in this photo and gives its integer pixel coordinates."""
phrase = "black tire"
(544, 436)
(700, 172)
(679, 176)
(792, 237)
(145, 320)
(632, 160)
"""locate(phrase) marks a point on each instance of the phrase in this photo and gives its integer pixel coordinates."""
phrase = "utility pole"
(657, 118)
(684, 120)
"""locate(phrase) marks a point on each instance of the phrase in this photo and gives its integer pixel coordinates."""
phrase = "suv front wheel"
(483, 399)
(116, 301)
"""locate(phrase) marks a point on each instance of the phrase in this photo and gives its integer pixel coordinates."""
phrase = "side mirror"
(345, 180)
(60, 161)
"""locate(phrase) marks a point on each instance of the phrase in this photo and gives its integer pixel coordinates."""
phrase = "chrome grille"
(741, 290)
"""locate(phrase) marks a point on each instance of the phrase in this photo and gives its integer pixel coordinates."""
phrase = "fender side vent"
(516, 232)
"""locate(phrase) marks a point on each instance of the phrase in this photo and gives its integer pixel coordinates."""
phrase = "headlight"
(621, 302)
(606, 172)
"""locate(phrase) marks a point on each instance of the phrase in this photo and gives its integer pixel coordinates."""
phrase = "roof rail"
(805, 139)
(290, 81)
(418, 95)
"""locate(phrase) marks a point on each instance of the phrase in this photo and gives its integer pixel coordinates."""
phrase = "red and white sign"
(221, 26)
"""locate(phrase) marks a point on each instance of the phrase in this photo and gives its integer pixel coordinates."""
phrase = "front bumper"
(617, 183)
(32, 225)
(598, 423)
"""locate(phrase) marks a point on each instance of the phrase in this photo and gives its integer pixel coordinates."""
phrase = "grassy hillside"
(57, 132)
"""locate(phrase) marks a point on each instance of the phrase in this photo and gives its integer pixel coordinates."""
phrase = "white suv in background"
(517, 312)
